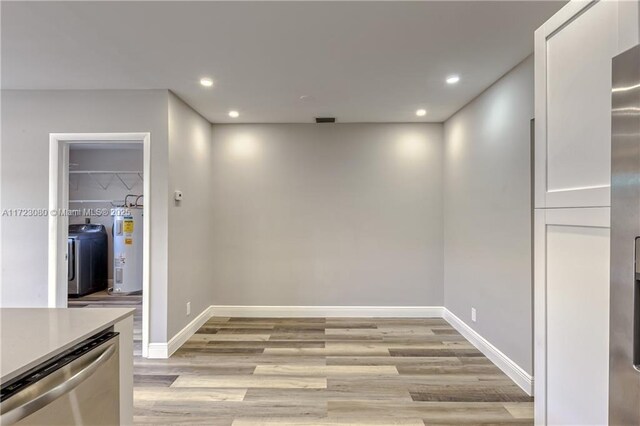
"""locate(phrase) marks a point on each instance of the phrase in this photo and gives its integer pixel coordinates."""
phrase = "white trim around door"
(59, 223)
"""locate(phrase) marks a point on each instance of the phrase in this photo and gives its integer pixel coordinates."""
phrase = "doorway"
(99, 240)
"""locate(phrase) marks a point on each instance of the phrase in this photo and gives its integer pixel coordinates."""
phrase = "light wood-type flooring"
(326, 371)
(103, 300)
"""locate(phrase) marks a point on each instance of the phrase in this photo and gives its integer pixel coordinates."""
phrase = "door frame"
(59, 223)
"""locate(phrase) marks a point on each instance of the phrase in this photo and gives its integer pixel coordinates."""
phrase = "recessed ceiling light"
(234, 114)
(453, 79)
(206, 82)
(421, 112)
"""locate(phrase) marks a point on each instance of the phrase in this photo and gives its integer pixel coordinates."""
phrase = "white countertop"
(29, 336)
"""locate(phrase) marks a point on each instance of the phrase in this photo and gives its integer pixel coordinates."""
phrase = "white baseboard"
(327, 311)
(158, 351)
(165, 350)
(510, 368)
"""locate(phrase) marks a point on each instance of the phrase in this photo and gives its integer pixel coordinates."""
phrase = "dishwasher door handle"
(15, 414)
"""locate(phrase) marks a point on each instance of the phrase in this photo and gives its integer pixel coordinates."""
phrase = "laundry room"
(105, 242)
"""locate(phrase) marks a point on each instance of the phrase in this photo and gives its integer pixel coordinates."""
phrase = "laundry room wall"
(103, 186)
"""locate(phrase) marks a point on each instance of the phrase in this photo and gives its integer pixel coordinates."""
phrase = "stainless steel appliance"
(87, 260)
(78, 387)
(624, 339)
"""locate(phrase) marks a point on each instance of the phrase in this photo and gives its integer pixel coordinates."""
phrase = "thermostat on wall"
(177, 195)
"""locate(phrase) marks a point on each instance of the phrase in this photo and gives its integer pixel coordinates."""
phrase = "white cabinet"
(577, 274)
(573, 98)
(573, 53)
(572, 305)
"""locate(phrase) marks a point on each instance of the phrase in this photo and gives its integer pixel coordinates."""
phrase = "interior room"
(320, 213)
(105, 262)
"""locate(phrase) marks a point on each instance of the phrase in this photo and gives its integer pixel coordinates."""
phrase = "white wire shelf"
(97, 201)
(115, 173)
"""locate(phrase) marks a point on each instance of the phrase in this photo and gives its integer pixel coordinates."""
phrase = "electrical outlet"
(473, 314)
(188, 308)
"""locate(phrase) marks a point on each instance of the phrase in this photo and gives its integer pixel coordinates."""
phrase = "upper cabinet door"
(573, 105)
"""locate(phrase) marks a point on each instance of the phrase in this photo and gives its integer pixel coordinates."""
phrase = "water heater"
(127, 250)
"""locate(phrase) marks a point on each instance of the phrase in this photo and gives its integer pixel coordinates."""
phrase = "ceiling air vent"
(325, 119)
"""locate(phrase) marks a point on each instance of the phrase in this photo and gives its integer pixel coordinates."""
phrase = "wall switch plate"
(188, 308)
(177, 195)
(473, 314)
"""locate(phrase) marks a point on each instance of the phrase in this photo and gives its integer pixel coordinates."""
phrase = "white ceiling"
(357, 61)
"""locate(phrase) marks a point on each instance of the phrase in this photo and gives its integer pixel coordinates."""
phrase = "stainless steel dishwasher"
(78, 387)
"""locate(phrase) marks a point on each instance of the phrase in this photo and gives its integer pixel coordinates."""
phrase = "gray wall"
(85, 187)
(487, 210)
(345, 214)
(28, 116)
(190, 270)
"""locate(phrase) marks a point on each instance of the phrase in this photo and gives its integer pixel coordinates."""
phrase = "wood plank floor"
(327, 371)
(103, 300)
(320, 371)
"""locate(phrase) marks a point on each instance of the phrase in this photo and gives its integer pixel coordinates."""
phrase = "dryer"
(87, 259)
